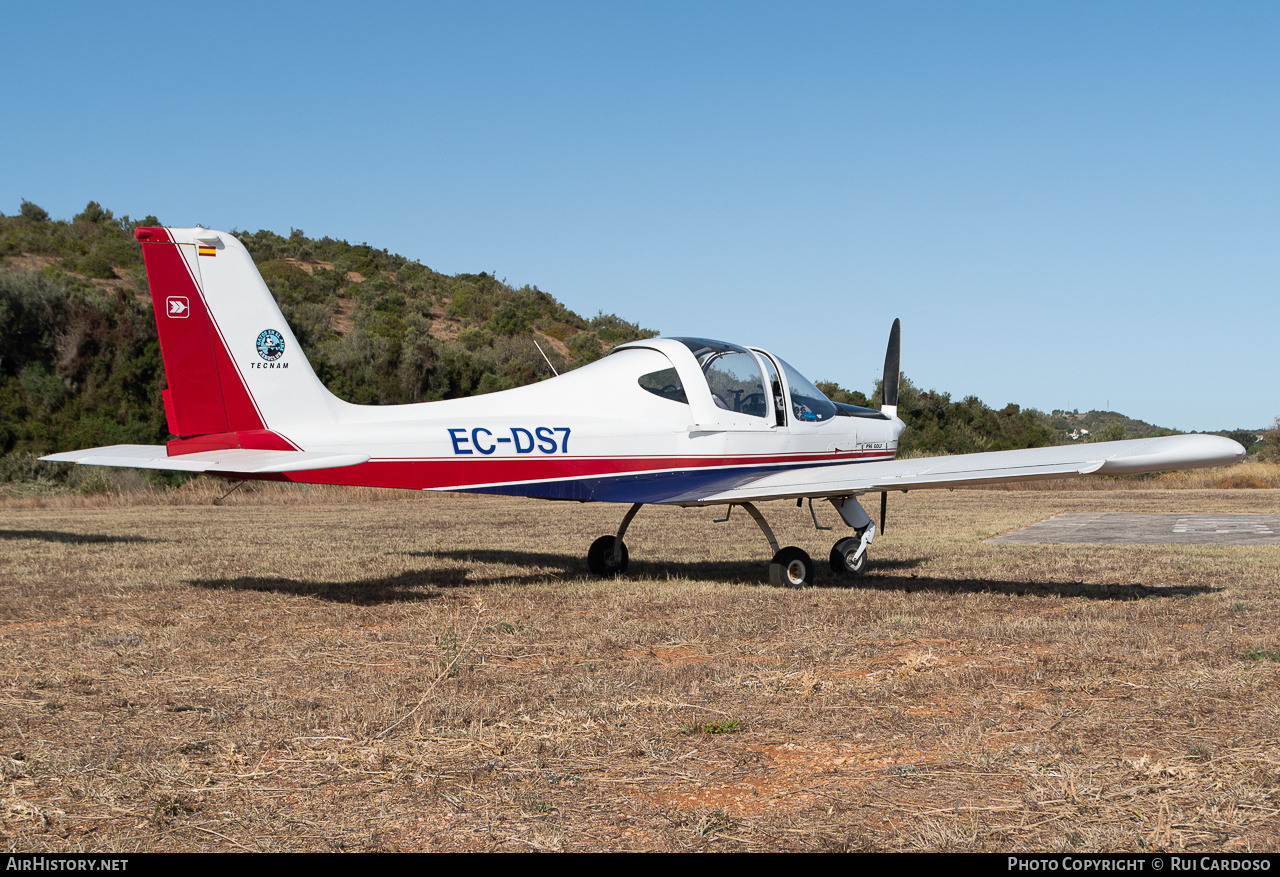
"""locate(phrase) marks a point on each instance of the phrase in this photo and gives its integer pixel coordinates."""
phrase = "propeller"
(892, 369)
(889, 392)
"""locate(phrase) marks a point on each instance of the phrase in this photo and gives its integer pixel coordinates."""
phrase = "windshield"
(807, 402)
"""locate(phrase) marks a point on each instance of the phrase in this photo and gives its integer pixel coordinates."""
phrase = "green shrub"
(584, 347)
(34, 212)
(475, 337)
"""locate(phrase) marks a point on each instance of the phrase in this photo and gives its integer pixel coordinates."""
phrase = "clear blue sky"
(1069, 205)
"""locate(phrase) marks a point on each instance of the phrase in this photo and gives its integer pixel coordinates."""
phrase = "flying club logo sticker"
(179, 307)
(270, 348)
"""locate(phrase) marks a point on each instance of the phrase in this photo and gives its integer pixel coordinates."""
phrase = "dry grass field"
(319, 670)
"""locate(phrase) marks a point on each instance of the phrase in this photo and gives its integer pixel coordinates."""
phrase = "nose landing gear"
(849, 555)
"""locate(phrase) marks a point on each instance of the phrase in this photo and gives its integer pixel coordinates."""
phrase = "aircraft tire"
(791, 568)
(600, 558)
(842, 563)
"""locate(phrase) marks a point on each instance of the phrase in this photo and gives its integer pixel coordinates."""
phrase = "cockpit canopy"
(746, 381)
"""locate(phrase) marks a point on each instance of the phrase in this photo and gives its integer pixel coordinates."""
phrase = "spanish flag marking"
(208, 251)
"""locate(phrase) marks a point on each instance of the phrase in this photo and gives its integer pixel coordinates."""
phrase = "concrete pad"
(1122, 528)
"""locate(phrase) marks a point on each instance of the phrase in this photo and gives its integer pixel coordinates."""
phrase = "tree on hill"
(936, 425)
(34, 212)
(1111, 432)
(837, 393)
(1270, 444)
(1247, 438)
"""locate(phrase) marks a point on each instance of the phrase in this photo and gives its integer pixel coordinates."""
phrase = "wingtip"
(1174, 452)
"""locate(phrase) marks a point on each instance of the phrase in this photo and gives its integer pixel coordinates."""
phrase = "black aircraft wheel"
(791, 568)
(842, 562)
(600, 557)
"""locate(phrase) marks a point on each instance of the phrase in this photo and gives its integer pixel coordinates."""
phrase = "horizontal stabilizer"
(230, 461)
(995, 467)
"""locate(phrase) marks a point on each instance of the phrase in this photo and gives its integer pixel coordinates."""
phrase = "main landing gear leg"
(608, 554)
(791, 567)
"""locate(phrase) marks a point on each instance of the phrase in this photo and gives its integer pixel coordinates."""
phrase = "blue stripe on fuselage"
(684, 485)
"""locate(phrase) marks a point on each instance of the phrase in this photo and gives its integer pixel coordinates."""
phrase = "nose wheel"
(845, 559)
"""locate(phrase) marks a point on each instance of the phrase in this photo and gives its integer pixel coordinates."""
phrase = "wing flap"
(230, 460)
(966, 470)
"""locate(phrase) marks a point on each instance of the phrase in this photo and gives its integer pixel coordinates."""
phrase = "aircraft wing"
(229, 461)
(966, 470)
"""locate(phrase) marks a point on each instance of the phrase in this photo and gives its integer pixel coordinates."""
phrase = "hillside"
(80, 362)
(1105, 426)
(1093, 425)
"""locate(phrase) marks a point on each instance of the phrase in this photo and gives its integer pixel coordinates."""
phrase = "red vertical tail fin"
(236, 376)
(194, 402)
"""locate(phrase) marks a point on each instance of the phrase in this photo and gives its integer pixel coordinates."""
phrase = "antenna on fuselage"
(544, 356)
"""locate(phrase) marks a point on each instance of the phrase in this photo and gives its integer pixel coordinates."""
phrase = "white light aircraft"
(680, 421)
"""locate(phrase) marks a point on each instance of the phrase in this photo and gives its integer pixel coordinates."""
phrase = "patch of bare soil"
(33, 262)
(28, 262)
(310, 268)
(314, 670)
(443, 327)
(343, 320)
